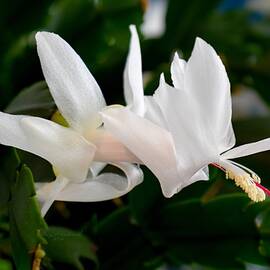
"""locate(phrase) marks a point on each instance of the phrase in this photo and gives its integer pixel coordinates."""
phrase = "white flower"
(73, 151)
(144, 130)
(197, 116)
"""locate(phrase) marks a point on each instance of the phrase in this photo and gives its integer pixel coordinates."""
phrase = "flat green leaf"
(220, 232)
(20, 254)
(41, 169)
(5, 265)
(26, 223)
(34, 100)
(25, 208)
(220, 253)
(122, 244)
(9, 163)
(69, 247)
(117, 223)
(220, 216)
(227, 215)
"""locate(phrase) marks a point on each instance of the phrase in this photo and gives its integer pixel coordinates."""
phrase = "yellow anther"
(247, 183)
(260, 195)
(256, 178)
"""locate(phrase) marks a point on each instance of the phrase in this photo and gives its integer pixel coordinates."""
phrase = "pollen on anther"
(247, 183)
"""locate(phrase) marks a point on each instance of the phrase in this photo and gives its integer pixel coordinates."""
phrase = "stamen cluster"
(248, 183)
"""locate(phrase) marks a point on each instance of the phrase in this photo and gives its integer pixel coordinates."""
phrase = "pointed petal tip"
(43, 35)
(176, 56)
(163, 83)
(40, 35)
(201, 43)
(132, 28)
(134, 32)
(167, 195)
(170, 192)
(200, 40)
(133, 79)
(162, 79)
(175, 59)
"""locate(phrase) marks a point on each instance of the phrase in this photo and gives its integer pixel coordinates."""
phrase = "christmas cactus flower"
(196, 114)
(77, 152)
(142, 128)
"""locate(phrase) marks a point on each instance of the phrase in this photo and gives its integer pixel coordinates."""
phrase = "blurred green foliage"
(209, 225)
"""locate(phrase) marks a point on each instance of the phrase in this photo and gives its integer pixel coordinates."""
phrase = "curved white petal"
(194, 146)
(207, 82)
(70, 153)
(178, 72)
(106, 186)
(150, 143)
(65, 149)
(202, 174)
(48, 192)
(96, 168)
(74, 89)
(153, 112)
(247, 149)
(109, 149)
(195, 149)
(133, 81)
(11, 132)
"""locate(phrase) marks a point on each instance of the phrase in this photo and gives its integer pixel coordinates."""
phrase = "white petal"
(106, 186)
(153, 112)
(202, 174)
(133, 81)
(11, 132)
(48, 192)
(247, 149)
(207, 82)
(190, 136)
(150, 143)
(109, 149)
(65, 149)
(178, 71)
(74, 89)
(96, 168)
(195, 148)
